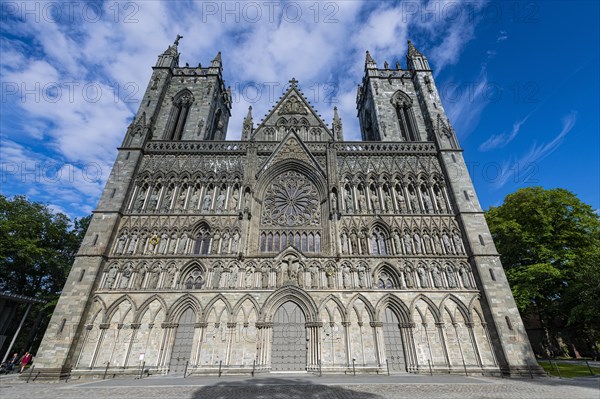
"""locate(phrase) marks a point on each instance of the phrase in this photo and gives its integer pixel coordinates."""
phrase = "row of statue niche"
(423, 277)
(171, 244)
(129, 277)
(407, 244)
(214, 198)
(418, 200)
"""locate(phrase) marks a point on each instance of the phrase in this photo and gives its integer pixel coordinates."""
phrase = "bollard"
(187, 362)
(253, 366)
(30, 371)
(106, 370)
(557, 369)
(430, 370)
(589, 368)
(387, 365)
(220, 364)
(530, 372)
(354, 366)
(320, 371)
(142, 369)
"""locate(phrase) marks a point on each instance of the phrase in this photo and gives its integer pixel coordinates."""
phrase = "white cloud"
(502, 139)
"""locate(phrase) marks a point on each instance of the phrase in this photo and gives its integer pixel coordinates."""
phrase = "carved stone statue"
(423, 277)
(172, 243)
(314, 276)
(408, 276)
(452, 283)
(362, 276)
(133, 244)
(182, 243)
(428, 203)
(170, 280)
(195, 199)
(464, 274)
(181, 199)
(162, 246)
(110, 278)
(121, 243)
(348, 201)
(397, 242)
(234, 242)
(153, 279)
(265, 277)
(407, 243)
(346, 277)
(427, 243)
(206, 201)
(458, 243)
(437, 277)
(153, 200)
(166, 203)
(344, 240)
(417, 243)
(329, 272)
(220, 202)
(362, 201)
(235, 197)
(225, 276)
(447, 243)
(125, 277)
(234, 276)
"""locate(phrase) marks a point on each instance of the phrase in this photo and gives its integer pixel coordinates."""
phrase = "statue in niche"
(182, 243)
(153, 279)
(348, 201)
(166, 204)
(215, 243)
(195, 199)
(362, 201)
(333, 199)
(423, 277)
(437, 277)
(121, 243)
(220, 202)
(428, 203)
(234, 199)
(110, 278)
(407, 243)
(162, 247)
(458, 243)
(125, 277)
(225, 243)
(437, 244)
(400, 199)
(354, 243)
(234, 276)
(447, 243)
(374, 199)
(153, 242)
(344, 239)
(464, 274)
(362, 276)
(133, 244)
(173, 243)
(216, 276)
(206, 201)
(249, 276)
(388, 203)
(417, 243)
(153, 200)
(140, 278)
(247, 199)
(265, 277)
(408, 276)
(441, 203)
(225, 276)
(181, 199)
(427, 243)
(155, 83)
(346, 276)
(452, 283)
(329, 272)
(234, 242)
(397, 242)
(363, 241)
(139, 203)
(170, 280)
(413, 201)
(314, 276)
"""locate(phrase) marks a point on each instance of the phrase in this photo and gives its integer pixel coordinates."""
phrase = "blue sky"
(519, 80)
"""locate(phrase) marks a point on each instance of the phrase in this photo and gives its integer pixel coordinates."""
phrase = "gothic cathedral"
(292, 249)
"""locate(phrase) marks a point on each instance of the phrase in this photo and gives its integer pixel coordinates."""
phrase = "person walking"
(25, 361)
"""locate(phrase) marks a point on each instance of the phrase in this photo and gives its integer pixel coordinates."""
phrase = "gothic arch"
(401, 98)
(396, 305)
(314, 175)
(146, 305)
(338, 303)
(459, 304)
(115, 305)
(285, 294)
(191, 266)
(390, 270)
(238, 306)
(181, 305)
(211, 305)
(101, 309)
(432, 308)
(368, 306)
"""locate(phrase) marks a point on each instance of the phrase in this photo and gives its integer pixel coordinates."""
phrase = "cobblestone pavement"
(307, 387)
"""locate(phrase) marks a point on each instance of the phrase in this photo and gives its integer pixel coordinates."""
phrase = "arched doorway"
(394, 349)
(184, 338)
(289, 339)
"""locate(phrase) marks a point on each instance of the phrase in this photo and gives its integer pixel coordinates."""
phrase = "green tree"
(547, 240)
(37, 250)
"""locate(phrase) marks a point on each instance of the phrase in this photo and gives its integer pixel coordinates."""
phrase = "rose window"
(291, 200)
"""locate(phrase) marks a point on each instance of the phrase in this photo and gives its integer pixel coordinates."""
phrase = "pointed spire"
(216, 62)
(337, 125)
(170, 57)
(369, 61)
(412, 50)
(248, 126)
(414, 58)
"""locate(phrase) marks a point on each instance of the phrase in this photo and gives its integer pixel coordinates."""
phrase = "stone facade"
(291, 249)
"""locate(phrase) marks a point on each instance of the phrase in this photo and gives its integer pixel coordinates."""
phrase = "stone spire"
(369, 61)
(216, 63)
(170, 58)
(337, 125)
(414, 58)
(248, 125)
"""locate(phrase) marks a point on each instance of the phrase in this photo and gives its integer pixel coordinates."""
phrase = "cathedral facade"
(291, 249)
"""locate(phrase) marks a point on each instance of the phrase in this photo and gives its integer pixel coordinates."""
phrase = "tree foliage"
(37, 250)
(549, 243)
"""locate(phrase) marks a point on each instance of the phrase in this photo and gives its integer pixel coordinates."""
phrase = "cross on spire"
(294, 82)
(177, 39)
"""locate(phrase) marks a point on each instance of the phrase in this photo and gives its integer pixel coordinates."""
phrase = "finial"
(177, 39)
(369, 59)
(293, 82)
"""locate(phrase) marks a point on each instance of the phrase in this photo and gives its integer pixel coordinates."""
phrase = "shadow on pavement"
(263, 388)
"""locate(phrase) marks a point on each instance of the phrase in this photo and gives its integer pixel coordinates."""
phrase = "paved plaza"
(297, 386)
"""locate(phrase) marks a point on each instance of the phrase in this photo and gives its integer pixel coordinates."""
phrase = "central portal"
(289, 339)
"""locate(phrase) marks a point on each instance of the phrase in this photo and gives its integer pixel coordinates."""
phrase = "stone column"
(379, 342)
(346, 325)
(135, 327)
(443, 338)
(412, 363)
(470, 325)
(195, 358)
(313, 358)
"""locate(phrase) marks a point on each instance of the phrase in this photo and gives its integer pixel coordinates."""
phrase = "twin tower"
(291, 249)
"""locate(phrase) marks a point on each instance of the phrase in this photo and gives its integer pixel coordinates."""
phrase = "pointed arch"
(146, 305)
(100, 309)
(238, 306)
(391, 271)
(368, 306)
(285, 294)
(115, 305)
(396, 305)
(430, 305)
(182, 102)
(211, 305)
(181, 305)
(340, 306)
(462, 308)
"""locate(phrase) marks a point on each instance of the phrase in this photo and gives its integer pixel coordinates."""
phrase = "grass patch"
(568, 370)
